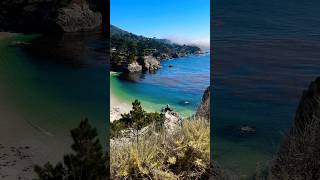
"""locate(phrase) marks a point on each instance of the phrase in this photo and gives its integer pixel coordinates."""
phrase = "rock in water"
(78, 17)
(245, 129)
(151, 63)
(184, 103)
(299, 154)
(134, 67)
(204, 108)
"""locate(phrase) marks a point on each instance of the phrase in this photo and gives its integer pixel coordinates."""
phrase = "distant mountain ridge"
(115, 31)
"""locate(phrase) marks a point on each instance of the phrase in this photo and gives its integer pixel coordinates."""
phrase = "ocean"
(265, 53)
(56, 82)
(181, 86)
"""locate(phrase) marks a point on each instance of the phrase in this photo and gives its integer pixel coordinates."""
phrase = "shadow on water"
(70, 49)
(63, 79)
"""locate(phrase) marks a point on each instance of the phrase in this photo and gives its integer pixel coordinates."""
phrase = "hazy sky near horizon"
(182, 21)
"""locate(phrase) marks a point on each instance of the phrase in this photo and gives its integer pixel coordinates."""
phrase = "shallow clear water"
(265, 54)
(181, 86)
(50, 94)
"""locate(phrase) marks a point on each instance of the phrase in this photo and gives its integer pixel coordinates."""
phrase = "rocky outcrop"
(172, 120)
(150, 63)
(203, 110)
(299, 154)
(246, 129)
(164, 56)
(134, 67)
(44, 16)
(78, 17)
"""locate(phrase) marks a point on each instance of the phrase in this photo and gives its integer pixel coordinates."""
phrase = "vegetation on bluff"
(127, 47)
(135, 120)
(159, 154)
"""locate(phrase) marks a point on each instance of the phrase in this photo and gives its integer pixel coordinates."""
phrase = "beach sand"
(117, 107)
(22, 144)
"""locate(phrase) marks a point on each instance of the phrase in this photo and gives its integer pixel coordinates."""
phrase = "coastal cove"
(46, 95)
(180, 83)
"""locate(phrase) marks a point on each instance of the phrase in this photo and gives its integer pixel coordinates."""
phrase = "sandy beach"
(117, 107)
(23, 144)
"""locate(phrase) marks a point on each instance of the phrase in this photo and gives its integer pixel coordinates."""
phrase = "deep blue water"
(184, 82)
(265, 53)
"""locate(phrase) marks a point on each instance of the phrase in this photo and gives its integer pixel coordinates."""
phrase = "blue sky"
(182, 21)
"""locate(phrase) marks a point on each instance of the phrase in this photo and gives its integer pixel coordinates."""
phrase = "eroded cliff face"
(203, 110)
(42, 16)
(299, 154)
(77, 17)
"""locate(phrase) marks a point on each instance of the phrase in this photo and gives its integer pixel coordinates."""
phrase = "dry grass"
(299, 154)
(184, 154)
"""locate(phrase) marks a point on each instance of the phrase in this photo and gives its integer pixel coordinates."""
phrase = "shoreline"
(22, 143)
(120, 103)
(117, 107)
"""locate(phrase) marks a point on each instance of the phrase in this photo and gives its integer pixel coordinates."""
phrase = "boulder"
(184, 103)
(151, 63)
(172, 120)
(166, 108)
(164, 56)
(175, 55)
(134, 67)
(245, 129)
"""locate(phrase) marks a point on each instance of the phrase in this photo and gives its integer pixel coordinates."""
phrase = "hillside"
(127, 48)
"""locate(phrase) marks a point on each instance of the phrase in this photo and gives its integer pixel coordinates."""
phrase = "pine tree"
(136, 120)
(87, 162)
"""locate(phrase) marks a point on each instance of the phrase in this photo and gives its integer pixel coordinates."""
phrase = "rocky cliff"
(77, 17)
(204, 108)
(42, 16)
(151, 64)
(299, 154)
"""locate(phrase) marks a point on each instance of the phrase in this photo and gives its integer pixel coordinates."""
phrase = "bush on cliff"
(183, 154)
(136, 119)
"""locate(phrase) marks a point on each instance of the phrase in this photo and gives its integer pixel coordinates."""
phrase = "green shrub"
(136, 119)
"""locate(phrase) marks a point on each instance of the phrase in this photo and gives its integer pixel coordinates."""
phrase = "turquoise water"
(181, 86)
(52, 95)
